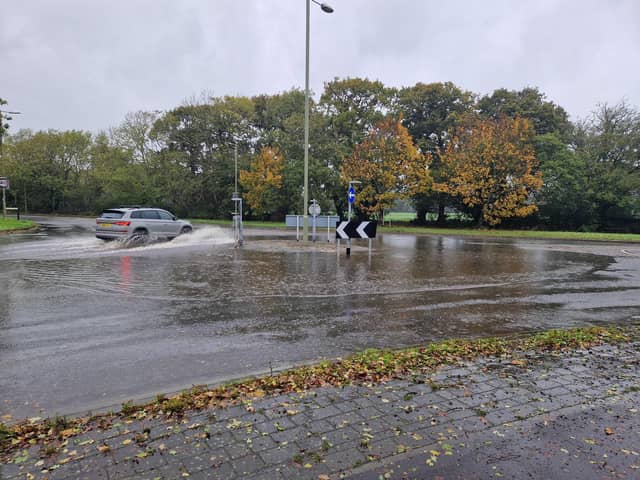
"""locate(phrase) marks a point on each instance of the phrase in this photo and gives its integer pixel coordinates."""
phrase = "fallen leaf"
(609, 431)
(103, 448)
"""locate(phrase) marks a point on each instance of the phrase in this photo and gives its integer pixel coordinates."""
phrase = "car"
(139, 224)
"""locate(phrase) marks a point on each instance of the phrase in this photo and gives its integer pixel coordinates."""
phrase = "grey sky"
(83, 64)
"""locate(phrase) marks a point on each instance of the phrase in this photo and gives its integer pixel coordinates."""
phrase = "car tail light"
(123, 224)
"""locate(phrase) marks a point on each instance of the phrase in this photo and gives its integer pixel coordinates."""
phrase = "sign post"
(314, 211)
(4, 184)
(352, 198)
(356, 229)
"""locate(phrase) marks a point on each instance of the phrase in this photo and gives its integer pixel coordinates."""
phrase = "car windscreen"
(111, 214)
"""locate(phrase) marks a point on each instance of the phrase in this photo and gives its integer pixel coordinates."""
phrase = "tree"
(4, 122)
(490, 165)
(429, 112)
(609, 145)
(351, 107)
(200, 139)
(563, 200)
(280, 123)
(49, 168)
(354, 106)
(389, 166)
(134, 135)
(263, 182)
(531, 104)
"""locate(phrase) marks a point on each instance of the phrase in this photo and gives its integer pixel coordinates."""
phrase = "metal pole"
(328, 220)
(241, 234)
(4, 204)
(348, 220)
(305, 225)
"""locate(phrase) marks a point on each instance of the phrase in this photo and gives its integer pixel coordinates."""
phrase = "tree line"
(508, 158)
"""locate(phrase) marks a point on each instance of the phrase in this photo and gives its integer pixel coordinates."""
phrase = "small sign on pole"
(4, 184)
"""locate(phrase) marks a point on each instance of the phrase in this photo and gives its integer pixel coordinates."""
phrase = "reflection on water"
(86, 323)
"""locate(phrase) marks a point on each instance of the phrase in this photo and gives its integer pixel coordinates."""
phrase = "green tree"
(609, 145)
(351, 108)
(563, 200)
(429, 112)
(280, 123)
(201, 139)
(544, 115)
(48, 168)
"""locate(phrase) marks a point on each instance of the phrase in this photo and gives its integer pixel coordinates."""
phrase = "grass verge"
(8, 225)
(533, 234)
(370, 366)
(246, 223)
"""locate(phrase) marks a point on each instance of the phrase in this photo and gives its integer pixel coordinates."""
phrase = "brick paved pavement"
(543, 416)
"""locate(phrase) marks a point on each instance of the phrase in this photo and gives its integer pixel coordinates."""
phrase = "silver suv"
(139, 224)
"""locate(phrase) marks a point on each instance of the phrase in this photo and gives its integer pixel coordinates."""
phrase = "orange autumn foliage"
(389, 166)
(263, 181)
(491, 166)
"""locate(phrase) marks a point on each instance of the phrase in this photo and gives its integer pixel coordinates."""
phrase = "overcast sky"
(84, 64)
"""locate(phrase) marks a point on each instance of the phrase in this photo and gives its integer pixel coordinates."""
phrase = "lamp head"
(326, 8)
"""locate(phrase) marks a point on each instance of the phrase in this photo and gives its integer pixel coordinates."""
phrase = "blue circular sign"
(352, 195)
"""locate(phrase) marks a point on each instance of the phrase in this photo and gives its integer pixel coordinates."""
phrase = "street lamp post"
(305, 223)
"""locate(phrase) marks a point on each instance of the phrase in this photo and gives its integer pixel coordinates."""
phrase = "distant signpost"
(4, 184)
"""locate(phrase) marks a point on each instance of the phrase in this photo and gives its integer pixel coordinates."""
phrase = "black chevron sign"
(356, 229)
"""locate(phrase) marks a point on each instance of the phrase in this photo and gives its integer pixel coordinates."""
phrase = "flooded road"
(85, 325)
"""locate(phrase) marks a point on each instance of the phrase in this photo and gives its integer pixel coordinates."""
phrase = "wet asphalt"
(85, 326)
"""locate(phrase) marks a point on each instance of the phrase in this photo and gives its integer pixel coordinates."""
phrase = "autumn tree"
(263, 181)
(389, 166)
(490, 166)
(351, 107)
(429, 112)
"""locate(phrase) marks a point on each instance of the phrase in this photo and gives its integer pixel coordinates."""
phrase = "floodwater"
(86, 325)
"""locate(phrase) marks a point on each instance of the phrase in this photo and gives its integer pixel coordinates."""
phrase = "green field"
(399, 216)
(8, 224)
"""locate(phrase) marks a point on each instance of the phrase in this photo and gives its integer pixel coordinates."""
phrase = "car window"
(111, 214)
(150, 215)
(165, 215)
(136, 214)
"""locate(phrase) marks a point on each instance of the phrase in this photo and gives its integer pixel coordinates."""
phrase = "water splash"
(49, 248)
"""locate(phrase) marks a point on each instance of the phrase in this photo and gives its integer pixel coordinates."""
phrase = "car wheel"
(139, 237)
(185, 230)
